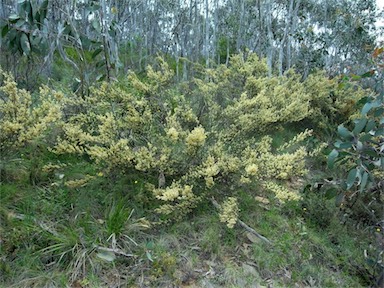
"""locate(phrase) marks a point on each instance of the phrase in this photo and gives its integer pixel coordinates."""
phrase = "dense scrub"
(176, 147)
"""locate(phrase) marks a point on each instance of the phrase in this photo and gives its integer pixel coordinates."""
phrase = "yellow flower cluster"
(21, 122)
(178, 209)
(173, 134)
(282, 192)
(209, 170)
(263, 164)
(266, 101)
(229, 212)
(145, 158)
(52, 167)
(284, 166)
(252, 170)
(196, 138)
(297, 139)
(174, 192)
(78, 182)
(331, 101)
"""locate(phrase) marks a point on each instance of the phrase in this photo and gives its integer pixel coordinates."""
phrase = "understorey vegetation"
(233, 178)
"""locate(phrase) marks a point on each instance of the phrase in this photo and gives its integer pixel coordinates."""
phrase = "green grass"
(53, 236)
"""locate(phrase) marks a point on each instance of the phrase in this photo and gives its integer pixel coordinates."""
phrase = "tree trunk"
(270, 37)
(206, 34)
(284, 38)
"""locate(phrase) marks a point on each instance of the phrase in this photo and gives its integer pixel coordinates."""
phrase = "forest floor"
(98, 235)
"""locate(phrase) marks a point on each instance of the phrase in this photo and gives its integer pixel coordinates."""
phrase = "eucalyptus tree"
(84, 33)
(92, 36)
(24, 35)
(335, 35)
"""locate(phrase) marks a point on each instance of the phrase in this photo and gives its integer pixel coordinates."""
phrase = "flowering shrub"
(331, 102)
(21, 122)
(190, 137)
(152, 128)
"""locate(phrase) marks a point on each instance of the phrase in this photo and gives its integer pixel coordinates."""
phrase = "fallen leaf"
(262, 200)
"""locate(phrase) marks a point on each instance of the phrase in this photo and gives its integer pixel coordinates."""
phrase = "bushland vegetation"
(112, 179)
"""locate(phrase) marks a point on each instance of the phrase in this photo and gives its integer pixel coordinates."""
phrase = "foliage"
(24, 42)
(234, 93)
(26, 30)
(142, 145)
(331, 102)
(22, 121)
(92, 56)
(191, 144)
(359, 152)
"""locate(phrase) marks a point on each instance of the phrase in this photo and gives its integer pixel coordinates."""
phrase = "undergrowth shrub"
(25, 124)
(22, 121)
(331, 102)
(190, 140)
(359, 156)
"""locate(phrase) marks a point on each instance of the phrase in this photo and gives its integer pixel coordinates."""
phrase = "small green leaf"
(96, 25)
(25, 45)
(370, 151)
(358, 176)
(100, 63)
(366, 137)
(13, 18)
(344, 132)
(96, 52)
(379, 112)
(370, 126)
(76, 86)
(363, 100)
(345, 145)
(338, 143)
(100, 77)
(366, 108)
(355, 77)
(44, 5)
(106, 255)
(149, 256)
(20, 23)
(37, 18)
(332, 157)
(364, 181)
(28, 10)
(150, 245)
(359, 125)
(331, 193)
(342, 85)
(379, 132)
(351, 178)
(4, 30)
(43, 11)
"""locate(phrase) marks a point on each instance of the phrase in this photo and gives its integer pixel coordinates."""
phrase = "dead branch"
(245, 226)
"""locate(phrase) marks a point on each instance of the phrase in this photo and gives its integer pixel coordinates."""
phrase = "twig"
(253, 231)
(245, 226)
(116, 251)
